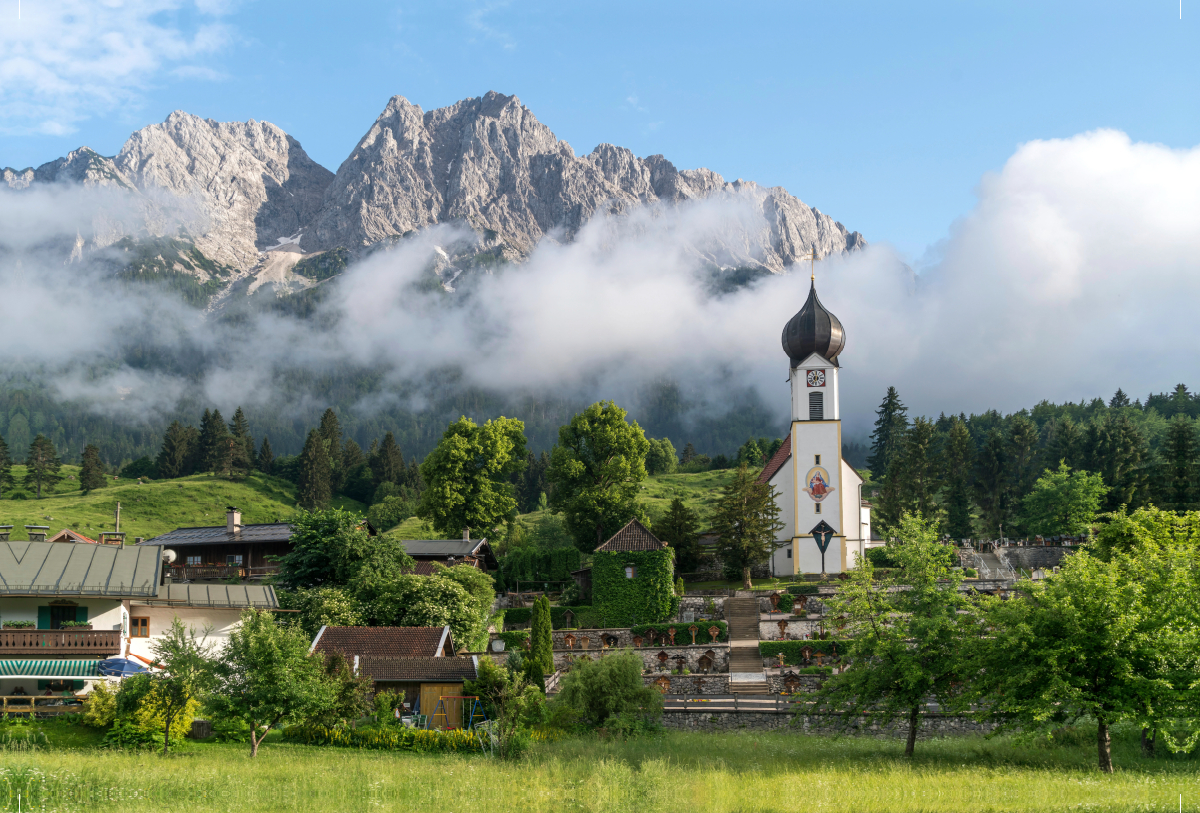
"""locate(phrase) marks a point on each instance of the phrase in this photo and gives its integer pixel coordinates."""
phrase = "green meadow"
(725, 773)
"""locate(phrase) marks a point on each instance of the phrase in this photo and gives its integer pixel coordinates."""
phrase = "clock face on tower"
(816, 378)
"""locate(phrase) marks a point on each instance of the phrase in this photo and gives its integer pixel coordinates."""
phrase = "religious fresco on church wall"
(817, 483)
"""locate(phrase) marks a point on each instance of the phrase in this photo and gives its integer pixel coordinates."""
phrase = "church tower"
(818, 493)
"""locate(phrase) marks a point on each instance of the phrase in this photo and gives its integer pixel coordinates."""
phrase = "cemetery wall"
(1030, 558)
(701, 607)
(686, 656)
(932, 724)
(690, 684)
(799, 683)
(795, 629)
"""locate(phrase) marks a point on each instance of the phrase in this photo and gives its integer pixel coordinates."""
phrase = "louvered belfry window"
(816, 406)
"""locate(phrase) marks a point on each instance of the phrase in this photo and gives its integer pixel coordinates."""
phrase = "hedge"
(791, 649)
(513, 640)
(531, 565)
(522, 615)
(682, 636)
(804, 589)
(385, 739)
(648, 597)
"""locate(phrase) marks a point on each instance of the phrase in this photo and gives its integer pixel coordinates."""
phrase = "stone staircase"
(745, 662)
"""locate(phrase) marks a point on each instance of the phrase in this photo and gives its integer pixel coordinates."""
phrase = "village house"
(220, 552)
(450, 552)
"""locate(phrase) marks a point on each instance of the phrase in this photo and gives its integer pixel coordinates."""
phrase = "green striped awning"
(49, 669)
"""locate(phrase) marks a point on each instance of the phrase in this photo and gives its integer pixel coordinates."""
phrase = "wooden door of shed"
(431, 693)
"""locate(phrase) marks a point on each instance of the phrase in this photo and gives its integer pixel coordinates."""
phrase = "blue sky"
(883, 115)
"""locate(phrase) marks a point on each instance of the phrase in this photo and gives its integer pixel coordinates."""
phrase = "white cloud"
(66, 60)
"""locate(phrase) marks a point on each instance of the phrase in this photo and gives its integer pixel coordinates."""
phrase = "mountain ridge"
(244, 190)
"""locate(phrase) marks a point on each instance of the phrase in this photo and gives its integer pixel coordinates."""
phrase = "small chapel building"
(819, 494)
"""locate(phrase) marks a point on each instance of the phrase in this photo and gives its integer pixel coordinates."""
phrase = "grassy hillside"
(152, 508)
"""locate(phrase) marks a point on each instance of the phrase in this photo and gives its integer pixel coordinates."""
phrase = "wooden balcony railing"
(100, 643)
(195, 572)
(37, 704)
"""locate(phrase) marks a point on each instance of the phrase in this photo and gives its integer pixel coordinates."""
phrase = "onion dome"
(813, 330)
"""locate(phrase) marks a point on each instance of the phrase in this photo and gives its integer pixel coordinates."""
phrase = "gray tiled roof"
(217, 534)
(633, 536)
(441, 549)
(52, 568)
(261, 596)
(419, 670)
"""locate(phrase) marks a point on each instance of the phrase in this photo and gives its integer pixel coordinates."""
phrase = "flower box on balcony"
(19, 625)
(75, 626)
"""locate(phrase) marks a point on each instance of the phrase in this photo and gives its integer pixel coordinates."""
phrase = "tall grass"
(676, 772)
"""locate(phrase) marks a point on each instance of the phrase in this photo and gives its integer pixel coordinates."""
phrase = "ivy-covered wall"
(644, 599)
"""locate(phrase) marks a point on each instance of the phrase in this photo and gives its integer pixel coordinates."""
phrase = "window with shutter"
(816, 406)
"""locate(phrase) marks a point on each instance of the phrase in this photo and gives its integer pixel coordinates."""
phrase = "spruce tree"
(680, 529)
(1178, 472)
(919, 480)
(746, 521)
(541, 641)
(192, 463)
(331, 430)
(241, 457)
(958, 453)
(689, 453)
(1119, 399)
(991, 481)
(387, 463)
(7, 483)
(1064, 444)
(352, 455)
(42, 465)
(314, 488)
(173, 457)
(91, 472)
(214, 442)
(266, 458)
(888, 436)
(1022, 446)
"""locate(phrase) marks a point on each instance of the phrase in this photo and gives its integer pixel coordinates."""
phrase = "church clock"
(816, 378)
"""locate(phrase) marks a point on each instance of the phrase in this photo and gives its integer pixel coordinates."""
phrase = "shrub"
(786, 602)
(541, 645)
(879, 557)
(514, 639)
(558, 620)
(682, 636)
(489, 687)
(971, 573)
(611, 687)
(386, 703)
(231, 730)
(680, 587)
(101, 708)
(386, 738)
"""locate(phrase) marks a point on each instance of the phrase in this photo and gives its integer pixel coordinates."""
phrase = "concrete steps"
(745, 662)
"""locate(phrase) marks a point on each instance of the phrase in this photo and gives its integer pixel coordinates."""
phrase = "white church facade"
(819, 494)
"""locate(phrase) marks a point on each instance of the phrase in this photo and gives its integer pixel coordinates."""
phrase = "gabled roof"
(217, 534)
(67, 535)
(633, 536)
(420, 670)
(233, 596)
(442, 549)
(53, 569)
(776, 462)
(385, 642)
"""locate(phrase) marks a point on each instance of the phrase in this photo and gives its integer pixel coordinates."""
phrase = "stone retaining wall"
(691, 656)
(778, 683)
(691, 684)
(1029, 558)
(932, 725)
(796, 629)
(698, 604)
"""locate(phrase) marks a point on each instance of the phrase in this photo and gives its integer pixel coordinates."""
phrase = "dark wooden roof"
(217, 534)
(777, 460)
(384, 642)
(420, 670)
(633, 536)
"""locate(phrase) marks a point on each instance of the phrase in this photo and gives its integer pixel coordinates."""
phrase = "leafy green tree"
(903, 633)
(214, 442)
(265, 677)
(403, 600)
(314, 488)
(750, 453)
(173, 458)
(352, 694)
(467, 477)
(327, 606)
(887, 438)
(332, 547)
(661, 457)
(386, 515)
(1063, 502)
(595, 469)
(957, 457)
(680, 529)
(7, 482)
(266, 458)
(1063, 649)
(184, 673)
(387, 462)
(541, 643)
(746, 521)
(1178, 476)
(91, 470)
(603, 691)
(241, 450)
(42, 466)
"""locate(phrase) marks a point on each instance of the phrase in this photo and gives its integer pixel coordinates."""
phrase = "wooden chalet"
(245, 551)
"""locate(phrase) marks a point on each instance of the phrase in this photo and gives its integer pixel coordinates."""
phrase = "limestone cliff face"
(490, 164)
(240, 189)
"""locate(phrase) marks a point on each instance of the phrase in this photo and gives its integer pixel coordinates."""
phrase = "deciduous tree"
(468, 476)
(595, 468)
(184, 671)
(1063, 502)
